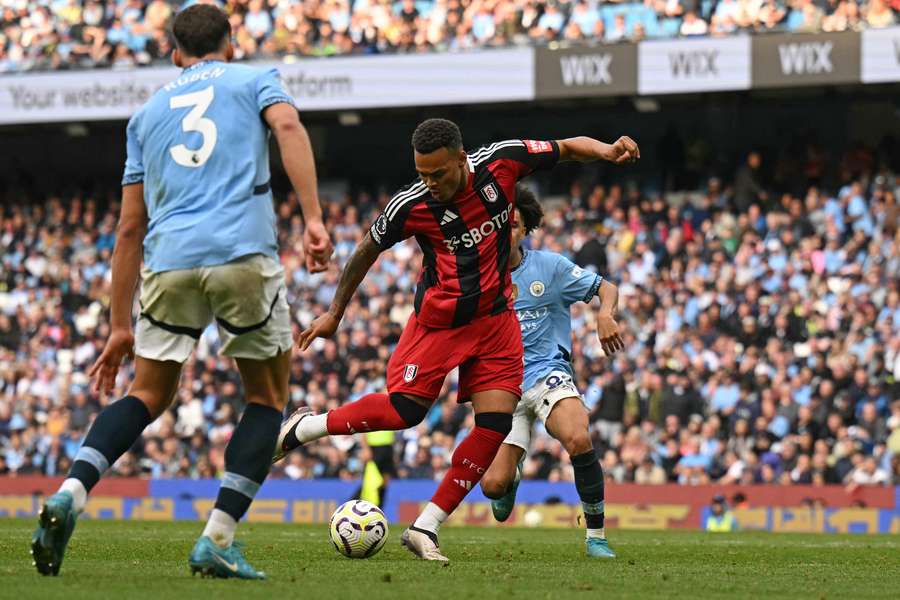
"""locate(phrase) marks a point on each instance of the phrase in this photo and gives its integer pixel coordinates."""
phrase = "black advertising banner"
(585, 71)
(794, 60)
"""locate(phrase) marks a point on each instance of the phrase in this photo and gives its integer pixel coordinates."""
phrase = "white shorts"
(537, 402)
(246, 297)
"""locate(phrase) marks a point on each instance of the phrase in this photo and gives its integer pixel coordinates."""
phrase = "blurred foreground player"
(545, 285)
(459, 212)
(196, 195)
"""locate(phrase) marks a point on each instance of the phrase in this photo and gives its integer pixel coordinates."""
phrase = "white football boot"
(283, 447)
(423, 544)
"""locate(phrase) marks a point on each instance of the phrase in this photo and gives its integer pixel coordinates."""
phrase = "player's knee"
(499, 422)
(409, 410)
(155, 402)
(493, 487)
(576, 443)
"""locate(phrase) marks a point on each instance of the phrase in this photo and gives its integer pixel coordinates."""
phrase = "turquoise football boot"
(503, 507)
(56, 522)
(211, 560)
(599, 548)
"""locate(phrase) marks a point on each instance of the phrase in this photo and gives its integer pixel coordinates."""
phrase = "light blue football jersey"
(546, 285)
(201, 148)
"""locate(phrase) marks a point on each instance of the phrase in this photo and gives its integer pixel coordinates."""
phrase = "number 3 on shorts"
(195, 121)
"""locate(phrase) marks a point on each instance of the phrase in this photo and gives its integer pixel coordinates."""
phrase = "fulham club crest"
(409, 373)
(490, 192)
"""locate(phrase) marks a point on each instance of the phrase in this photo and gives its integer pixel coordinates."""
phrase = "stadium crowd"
(57, 34)
(762, 332)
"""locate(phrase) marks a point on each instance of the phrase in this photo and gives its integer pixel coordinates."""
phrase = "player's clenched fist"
(624, 150)
(323, 326)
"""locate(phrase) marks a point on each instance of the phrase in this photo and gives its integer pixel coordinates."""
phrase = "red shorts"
(488, 352)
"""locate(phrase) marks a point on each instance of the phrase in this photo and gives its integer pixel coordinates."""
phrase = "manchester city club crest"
(537, 288)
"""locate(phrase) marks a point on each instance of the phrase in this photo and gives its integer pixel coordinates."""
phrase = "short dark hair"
(433, 134)
(201, 29)
(529, 208)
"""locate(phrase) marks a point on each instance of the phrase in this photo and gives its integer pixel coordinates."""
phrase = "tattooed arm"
(364, 256)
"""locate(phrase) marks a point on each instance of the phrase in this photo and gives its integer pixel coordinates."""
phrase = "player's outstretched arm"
(586, 149)
(607, 328)
(297, 157)
(126, 266)
(362, 259)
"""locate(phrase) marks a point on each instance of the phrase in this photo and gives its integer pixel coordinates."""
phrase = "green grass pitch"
(149, 560)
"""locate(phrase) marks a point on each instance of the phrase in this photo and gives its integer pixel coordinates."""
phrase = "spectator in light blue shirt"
(116, 34)
(585, 17)
(593, 394)
(552, 18)
(483, 24)
(726, 396)
(833, 208)
(834, 256)
(780, 426)
(258, 21)
(340, 18)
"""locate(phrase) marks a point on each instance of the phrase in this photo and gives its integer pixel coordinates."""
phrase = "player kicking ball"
(459, 212)
(545, 285)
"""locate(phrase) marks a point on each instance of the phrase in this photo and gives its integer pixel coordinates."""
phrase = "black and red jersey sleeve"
(390, 226)
(522, 156)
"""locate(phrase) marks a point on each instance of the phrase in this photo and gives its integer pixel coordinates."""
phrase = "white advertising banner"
(694, 65)
(316, 84)
(881, 55)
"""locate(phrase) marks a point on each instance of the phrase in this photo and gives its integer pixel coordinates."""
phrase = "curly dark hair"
(201, 29)
(433, 134)
(529, 208)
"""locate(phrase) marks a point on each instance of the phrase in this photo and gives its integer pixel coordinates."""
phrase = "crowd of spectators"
(57, 34)
(762, 337)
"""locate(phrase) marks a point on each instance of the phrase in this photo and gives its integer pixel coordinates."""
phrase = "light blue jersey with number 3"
(201, 148)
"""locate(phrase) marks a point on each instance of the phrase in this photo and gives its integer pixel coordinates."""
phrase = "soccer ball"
(533, 518)
(358, 529)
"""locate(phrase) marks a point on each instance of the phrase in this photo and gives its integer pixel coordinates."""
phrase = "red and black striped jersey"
(465, 242)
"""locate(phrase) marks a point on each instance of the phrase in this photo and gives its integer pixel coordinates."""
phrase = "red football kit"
(463, 305)
(463, 315)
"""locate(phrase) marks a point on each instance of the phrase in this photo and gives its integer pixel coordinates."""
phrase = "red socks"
(373, 412)
(376, 412)
(470, 460)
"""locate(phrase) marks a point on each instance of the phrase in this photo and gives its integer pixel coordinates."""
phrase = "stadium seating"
(74, 34)
(763, 344)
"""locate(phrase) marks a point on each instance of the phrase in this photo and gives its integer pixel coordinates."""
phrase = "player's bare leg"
(501, 482)
(502, 472)
(493, 420)
(114, 431)
(247, 463)
(568, 423)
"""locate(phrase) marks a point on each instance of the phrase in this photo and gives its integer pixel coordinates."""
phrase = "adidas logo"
(464, 483)
(449, 216)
